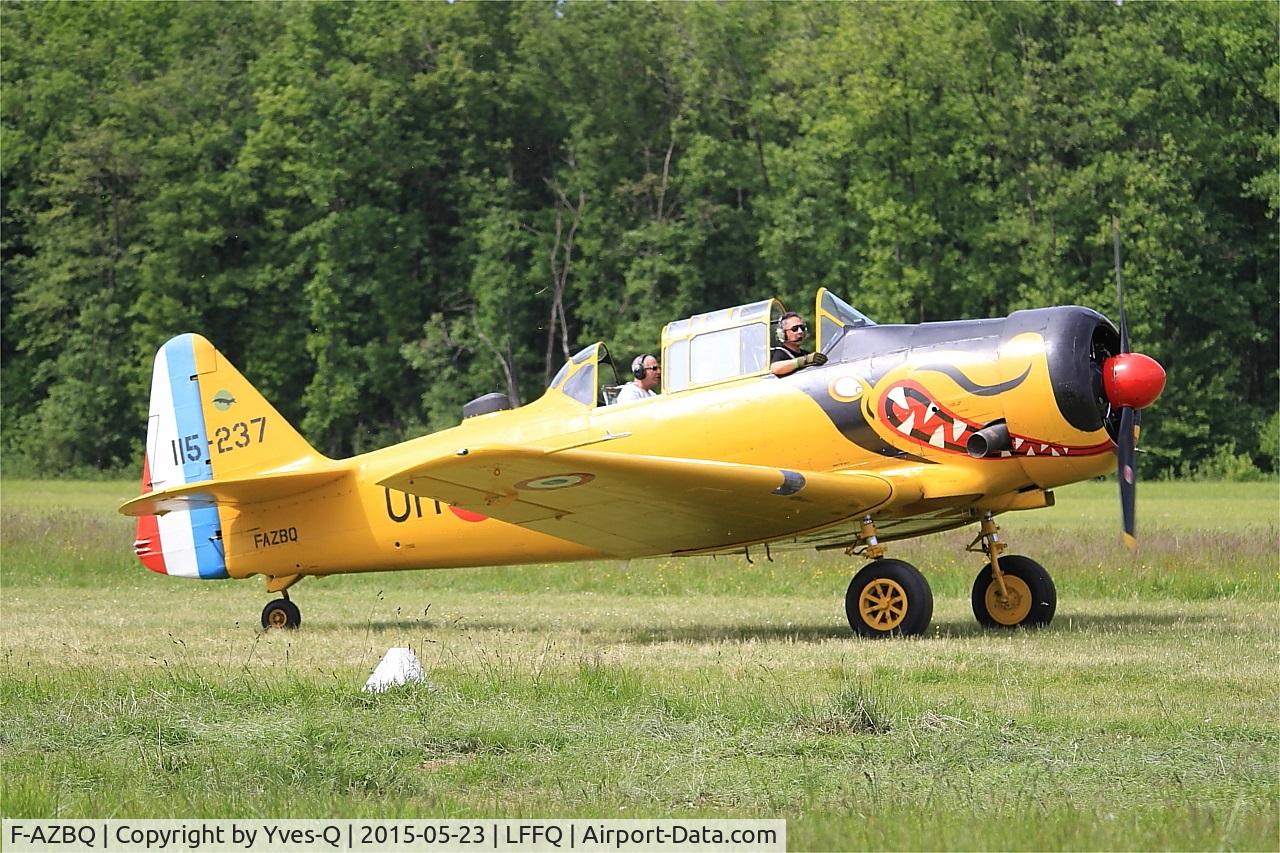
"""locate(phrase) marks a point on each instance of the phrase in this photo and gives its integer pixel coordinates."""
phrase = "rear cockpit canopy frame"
(578, 379)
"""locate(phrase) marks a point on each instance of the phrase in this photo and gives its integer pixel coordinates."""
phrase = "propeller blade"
(1133, 382)
(1124, 323)
(1127, 475)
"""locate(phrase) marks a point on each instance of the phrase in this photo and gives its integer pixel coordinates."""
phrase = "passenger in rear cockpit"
(648, 375)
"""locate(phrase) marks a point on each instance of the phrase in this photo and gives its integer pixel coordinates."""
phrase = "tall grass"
(1144, 718)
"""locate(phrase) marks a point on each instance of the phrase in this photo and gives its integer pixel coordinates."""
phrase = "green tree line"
(381, 210)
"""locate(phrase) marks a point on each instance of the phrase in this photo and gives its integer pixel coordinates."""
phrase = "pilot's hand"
(812, 358)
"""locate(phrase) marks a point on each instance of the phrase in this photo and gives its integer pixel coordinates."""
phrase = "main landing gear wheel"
(889, 598)
(1031, 601)
(281, 613)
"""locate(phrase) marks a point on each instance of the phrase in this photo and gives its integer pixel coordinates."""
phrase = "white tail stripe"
(179, 545)
(162, 429)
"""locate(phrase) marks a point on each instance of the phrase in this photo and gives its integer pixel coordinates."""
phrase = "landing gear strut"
(1011, 591)
(888, 598)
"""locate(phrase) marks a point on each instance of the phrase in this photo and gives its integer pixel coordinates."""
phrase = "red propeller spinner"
(1132, 379)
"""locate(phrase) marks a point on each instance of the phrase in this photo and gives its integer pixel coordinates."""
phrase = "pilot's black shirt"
(781, 353)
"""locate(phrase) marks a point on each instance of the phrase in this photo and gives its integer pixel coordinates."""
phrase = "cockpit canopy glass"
(833, 316)
(717, 346)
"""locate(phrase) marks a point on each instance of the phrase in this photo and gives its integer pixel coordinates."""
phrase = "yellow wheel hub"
(278, 618)
(883, 604)
(1016, 607)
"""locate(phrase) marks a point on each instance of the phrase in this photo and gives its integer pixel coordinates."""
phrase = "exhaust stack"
(989, 442)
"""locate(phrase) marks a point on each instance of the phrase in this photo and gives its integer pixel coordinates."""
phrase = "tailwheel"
(281, 613)
(1029, 599)
(889, 598)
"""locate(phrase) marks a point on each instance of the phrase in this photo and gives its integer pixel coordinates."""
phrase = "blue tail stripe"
(192, 439)
(193, 442)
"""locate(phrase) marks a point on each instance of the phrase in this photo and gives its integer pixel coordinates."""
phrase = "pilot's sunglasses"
(657, 367)
(799, 327)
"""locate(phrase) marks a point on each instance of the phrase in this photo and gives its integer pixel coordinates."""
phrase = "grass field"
(1144, 718)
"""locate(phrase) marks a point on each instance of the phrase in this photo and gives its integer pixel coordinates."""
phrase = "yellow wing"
(635, 506)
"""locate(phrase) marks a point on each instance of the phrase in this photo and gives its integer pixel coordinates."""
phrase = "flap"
(635, 506)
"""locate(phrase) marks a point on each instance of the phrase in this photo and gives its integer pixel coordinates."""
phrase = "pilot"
(789, 356)
(648, 375)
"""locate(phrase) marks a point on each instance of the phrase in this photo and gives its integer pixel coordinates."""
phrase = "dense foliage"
(380, 210)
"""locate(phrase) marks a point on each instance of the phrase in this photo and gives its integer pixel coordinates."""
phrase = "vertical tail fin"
(206, 423)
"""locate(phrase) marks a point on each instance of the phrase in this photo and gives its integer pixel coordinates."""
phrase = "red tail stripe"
(148, 547)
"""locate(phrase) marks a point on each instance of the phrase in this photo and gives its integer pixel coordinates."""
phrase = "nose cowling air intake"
(1132, 379)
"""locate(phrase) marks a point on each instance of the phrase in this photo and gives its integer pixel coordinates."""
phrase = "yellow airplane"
(906, 430)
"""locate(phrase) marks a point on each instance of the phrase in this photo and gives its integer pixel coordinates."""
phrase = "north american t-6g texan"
(906, 430)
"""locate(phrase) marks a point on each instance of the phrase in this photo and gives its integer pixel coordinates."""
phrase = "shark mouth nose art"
(908, 409)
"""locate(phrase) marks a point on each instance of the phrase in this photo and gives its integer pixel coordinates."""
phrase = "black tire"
(281, 613)
(1032, 595)
(889, 598)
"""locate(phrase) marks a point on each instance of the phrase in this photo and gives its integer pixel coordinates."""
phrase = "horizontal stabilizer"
(245, 490)
(634, 506)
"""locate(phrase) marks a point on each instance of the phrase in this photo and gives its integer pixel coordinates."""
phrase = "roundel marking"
(555, 481)
(466, 514)
(845, 389)
(223, 400)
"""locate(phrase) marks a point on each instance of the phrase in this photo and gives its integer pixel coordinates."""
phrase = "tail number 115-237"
(225, 439)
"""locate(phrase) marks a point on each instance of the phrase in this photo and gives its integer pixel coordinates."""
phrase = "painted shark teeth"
(910, 410)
